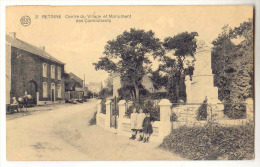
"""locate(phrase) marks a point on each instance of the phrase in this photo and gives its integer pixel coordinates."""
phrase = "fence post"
(108, 113)
(122, 110)
(165, 114)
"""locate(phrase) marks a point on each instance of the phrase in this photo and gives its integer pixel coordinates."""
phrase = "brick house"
(31, 70)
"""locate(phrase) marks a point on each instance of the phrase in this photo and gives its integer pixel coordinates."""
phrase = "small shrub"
(173, 117)
(235, 111)
(202, 111)
(103, 106)
(129, 111)
(93, 120)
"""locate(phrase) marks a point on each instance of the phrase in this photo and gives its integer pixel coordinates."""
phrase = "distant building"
(31, 70)
(94, 87)
(74, 87)
(73, 82)
(146, 82)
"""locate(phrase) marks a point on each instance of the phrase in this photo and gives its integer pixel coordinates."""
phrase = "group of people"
(141, 125)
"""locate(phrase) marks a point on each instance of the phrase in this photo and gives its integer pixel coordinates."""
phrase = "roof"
(76, 78)
(30, 48)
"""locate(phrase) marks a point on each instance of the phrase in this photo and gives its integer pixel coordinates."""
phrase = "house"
(146, 82)
(73, 82)
(74, 87)
(31, 70)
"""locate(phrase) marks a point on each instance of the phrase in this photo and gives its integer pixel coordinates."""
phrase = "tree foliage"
(181, 46)
(232, 57)
(129, 54)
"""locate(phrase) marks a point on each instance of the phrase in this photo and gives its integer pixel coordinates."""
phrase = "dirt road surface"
(64, 133)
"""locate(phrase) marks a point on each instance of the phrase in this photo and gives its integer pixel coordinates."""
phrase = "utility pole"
(84, 86)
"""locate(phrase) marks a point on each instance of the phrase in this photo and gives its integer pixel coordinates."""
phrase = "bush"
(103, 106)
(154, 111)
(129, 111)
(235, 111)
(202, 111)
(93, 120)
(173, 117)
(201, 143)
(148, 107)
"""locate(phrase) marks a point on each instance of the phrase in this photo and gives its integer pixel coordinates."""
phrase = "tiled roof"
(30, 48)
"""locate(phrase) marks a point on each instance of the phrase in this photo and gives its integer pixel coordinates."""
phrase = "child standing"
(139, 128)
(133, 124)
(147, 127)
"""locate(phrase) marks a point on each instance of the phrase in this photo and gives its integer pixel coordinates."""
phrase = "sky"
(79, 45)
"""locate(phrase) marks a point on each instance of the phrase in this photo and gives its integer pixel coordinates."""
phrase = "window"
(45, 90)
(44, 70)
(53, 71)
(59, 90)
(59, 73)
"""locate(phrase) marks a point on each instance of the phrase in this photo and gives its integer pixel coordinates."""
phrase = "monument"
(201, 85)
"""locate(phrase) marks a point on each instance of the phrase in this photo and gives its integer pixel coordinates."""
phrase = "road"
(65, 134)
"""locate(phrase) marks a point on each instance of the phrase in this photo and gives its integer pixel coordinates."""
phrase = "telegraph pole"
(84, 86)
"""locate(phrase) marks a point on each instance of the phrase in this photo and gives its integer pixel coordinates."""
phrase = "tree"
(182, 45)
(129, 54)
(109, 83)
(232, 55)
(105, 92)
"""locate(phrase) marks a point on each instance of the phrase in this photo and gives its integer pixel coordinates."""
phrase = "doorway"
(33, 91)
(53, 92)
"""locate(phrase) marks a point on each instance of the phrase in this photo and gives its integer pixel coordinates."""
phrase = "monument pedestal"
(202, 84)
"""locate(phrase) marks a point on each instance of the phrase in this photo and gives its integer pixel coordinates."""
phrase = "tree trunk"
(137, 93)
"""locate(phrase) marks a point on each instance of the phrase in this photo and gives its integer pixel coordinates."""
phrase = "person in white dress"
(133, 124)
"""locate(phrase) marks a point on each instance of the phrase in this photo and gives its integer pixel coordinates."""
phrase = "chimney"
(42, 47)
(13, 34)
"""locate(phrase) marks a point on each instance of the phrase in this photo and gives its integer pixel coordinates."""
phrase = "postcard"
(129, 83)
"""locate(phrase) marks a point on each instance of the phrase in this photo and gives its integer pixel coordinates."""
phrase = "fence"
(171, 116)
(74, 95)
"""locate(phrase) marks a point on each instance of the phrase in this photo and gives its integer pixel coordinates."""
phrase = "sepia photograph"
(130, 83)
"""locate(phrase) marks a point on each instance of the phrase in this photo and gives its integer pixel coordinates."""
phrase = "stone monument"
(201, 84)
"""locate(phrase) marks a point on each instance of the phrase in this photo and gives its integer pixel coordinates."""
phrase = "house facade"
(31, 70)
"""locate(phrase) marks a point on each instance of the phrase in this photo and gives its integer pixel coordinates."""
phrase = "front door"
(52, 95)
(53, 92)
(33, 91)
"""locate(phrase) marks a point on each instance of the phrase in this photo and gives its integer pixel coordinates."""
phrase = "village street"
(64, 133)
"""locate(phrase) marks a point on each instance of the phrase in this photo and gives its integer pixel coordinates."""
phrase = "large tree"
(232, 58)
(180, 46)
(129, 54)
